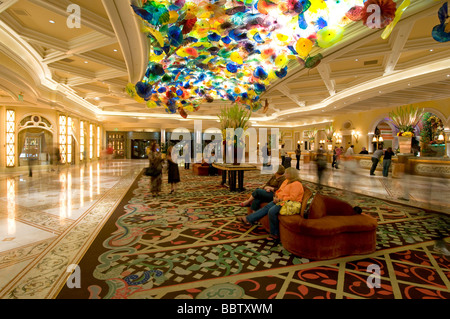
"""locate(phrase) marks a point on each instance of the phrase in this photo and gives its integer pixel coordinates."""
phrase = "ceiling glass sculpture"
(201, 51)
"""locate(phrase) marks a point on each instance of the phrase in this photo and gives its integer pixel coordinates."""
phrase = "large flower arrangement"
(329, 132)
(235, 116)
(405, 119)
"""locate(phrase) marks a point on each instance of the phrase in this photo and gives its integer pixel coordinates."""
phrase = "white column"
(370, 144)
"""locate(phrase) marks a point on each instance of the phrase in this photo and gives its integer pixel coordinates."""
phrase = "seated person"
(364, 151)
(266, 193)
(212, 171)
(291, 189)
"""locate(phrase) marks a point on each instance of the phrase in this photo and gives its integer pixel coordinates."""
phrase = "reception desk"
(423, 166)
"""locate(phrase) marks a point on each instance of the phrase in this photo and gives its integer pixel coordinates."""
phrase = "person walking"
(155, 161)
(338, 151)
(387, 161)
(376, 156)
(333, 164)
(298, 154)
(291, 189)
(172, 170)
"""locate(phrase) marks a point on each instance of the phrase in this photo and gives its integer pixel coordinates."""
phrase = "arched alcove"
(35, 143)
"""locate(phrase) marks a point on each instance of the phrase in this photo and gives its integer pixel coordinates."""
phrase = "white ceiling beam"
(286, 91)
(397, 43)
(325, 72)
(5, 4)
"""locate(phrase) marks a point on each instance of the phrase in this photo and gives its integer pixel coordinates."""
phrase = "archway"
(35, 141)
(382, 133)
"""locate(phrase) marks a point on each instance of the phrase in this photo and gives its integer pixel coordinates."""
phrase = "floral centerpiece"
(329, 132)
(405, 119)
(235, 116)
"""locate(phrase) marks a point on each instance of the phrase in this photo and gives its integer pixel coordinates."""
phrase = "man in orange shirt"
(291, 189)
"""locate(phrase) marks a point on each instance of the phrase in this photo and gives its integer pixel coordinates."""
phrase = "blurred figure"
(387, 161)
(321, 162)
(31, 158)
(110, 152)
(376, 156)
(155, 161)
(187, 155)
(283, 154)
(298, 154)
(350, 167)
(265, 155)
(172, 170)
(333, 164)
(56, 158)
(350, 151)
(339, 151)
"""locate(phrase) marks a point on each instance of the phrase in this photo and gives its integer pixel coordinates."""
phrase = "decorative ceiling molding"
(132, 41)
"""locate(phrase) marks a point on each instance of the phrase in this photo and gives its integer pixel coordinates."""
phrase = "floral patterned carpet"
(189, 245)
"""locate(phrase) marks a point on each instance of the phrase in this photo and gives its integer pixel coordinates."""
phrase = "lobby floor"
(64, 210)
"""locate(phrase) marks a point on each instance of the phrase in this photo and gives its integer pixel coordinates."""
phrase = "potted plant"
(405, 119)
(235, 116)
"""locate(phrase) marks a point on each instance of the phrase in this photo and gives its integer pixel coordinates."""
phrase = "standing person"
(266, 192)
(376, 156)
(172, 170)
(187, 155)
(265, 155)
(333, 164)
(387, 161)
(350, 151)
(283, 154)
(298, 154)
(291, 189)
(155, 161)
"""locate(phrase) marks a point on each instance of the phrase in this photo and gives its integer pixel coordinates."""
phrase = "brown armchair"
(332, 229)
(329, 229)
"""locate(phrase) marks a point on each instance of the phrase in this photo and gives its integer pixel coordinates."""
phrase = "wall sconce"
(338, 138)
(322, 142)
(356, 135)
(378, 140)
(441, 137)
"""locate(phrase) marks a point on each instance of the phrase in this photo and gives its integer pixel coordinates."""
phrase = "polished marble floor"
(63, 210)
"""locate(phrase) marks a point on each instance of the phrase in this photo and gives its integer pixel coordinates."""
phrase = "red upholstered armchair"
(332, 229)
